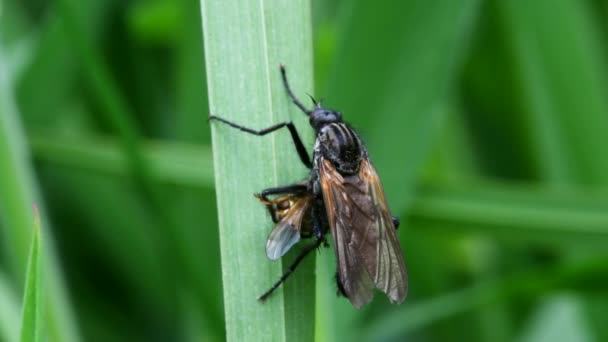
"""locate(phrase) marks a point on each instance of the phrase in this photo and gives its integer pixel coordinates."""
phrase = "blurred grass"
(485, 120)
(181, 164)
(9, 311)
(19, 193)
(547, 214)
(560, 71)
(517, 287)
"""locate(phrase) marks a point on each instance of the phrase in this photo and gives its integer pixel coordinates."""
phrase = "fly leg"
(303, 253)
(280, 190)
(273, 204)
(304, 157)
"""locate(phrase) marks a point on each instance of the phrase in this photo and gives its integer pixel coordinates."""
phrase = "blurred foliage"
(485, 119)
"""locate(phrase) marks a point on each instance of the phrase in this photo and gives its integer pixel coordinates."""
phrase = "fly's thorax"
(340, 144)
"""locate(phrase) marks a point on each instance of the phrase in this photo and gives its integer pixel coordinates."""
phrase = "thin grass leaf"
(32, 321)
(244, 45)
(19, 191)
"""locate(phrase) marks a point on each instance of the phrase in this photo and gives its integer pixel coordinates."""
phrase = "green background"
(487, 121)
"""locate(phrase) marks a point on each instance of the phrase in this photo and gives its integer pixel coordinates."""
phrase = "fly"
(344, 196)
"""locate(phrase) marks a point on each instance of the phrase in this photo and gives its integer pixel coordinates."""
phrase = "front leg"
(304, 157)
(279, 207)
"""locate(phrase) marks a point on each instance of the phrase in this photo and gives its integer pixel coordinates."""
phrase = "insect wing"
(367, 249)
(286, 232)
(390, 271)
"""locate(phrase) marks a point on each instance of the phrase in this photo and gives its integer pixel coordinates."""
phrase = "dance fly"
(343, 195)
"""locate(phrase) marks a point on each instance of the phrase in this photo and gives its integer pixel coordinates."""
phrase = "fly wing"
(367, 249)
(389, 270)
(286, 233)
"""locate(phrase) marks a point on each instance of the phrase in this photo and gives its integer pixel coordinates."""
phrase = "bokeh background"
(487, 120)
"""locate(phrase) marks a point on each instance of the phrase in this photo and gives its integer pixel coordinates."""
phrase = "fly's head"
(320, 117)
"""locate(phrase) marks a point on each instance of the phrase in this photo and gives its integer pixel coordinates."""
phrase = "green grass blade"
(244, 45)
(19, 191)
(32, 322)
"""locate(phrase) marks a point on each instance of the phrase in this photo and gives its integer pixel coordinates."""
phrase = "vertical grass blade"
(19, 191)
(244, 44)
(32, 312)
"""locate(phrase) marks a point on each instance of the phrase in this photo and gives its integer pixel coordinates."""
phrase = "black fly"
(343, 194)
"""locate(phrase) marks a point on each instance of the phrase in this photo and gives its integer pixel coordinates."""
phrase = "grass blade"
(244, 45)
(32, 320)
(19, 191)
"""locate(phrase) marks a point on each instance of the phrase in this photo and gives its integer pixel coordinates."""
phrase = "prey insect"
(344, 196)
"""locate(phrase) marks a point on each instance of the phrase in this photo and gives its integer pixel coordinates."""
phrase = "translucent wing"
(291, 213)
(366, 245)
